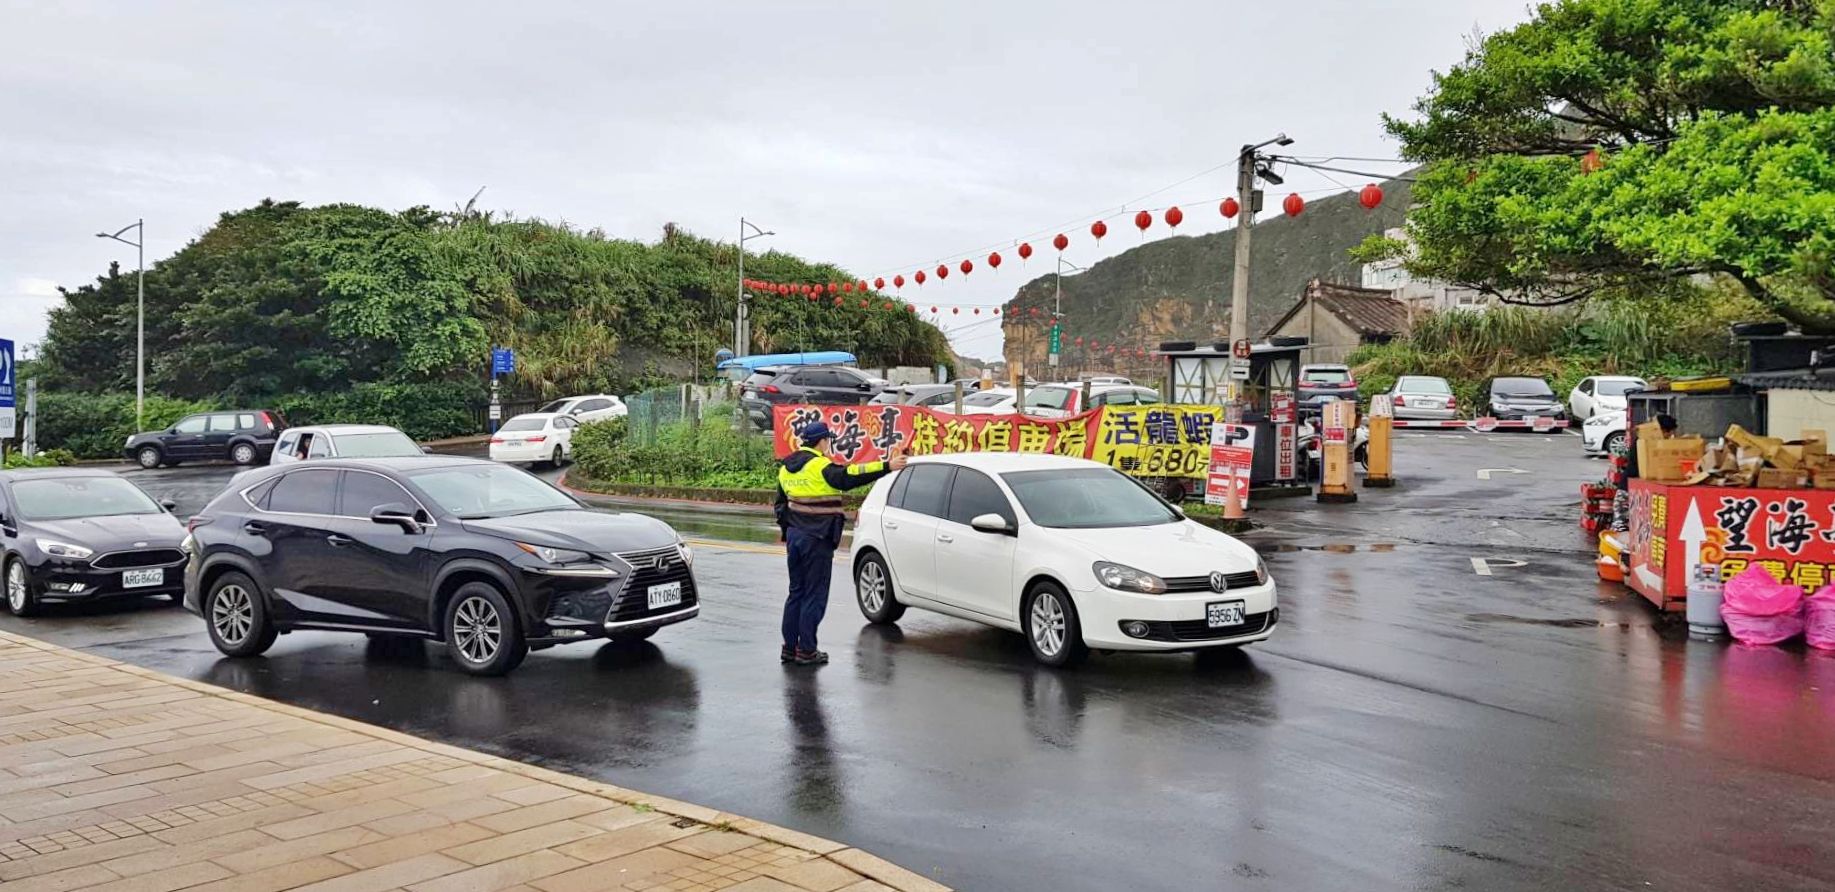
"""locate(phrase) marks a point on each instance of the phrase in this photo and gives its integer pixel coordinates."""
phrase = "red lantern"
(1079, 341)
(1370, 197)
(1591, 161)
(1025, 251)
(888, 305)
(977, 311)
(880, 283)
(846, 286)
(911, 307)
(838, 301)
(1060, 242)
(933, 311)
(942, 271)
(1099, 229)
(1293, 204)
(918, 277)
(1229, 208)
(968, 266)
(1143, 220)
(810, 297)
(996, 311)
(955, 311)
(1174, 217)
(861, 285)
(831, 288)
(898, 281)
(994, 260)
(863, 303)
(1035, 311)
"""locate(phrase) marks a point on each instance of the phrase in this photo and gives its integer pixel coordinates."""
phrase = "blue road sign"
(6, 388)
(503, 360)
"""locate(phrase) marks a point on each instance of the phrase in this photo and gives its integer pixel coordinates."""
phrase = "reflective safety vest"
(808, 490)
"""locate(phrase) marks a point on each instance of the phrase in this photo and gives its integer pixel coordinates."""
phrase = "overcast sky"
(880, 136)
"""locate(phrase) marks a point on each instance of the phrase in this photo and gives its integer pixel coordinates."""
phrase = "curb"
(865, 863)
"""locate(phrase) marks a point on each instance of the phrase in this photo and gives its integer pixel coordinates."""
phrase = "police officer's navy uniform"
(811, 512)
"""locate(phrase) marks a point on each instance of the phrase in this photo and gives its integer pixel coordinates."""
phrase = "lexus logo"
(1218, 584)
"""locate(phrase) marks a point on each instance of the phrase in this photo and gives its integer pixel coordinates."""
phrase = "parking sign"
(7, 427)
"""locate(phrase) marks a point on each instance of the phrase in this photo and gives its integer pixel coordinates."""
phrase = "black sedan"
(74, 534)
(486, 558)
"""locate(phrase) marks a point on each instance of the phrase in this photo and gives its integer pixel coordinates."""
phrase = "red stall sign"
(1789, 532)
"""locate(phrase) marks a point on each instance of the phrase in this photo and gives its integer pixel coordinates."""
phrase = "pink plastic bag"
(1761, 610)
(1819, 618)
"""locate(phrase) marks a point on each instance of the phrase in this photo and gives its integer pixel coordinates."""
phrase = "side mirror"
(169, 505)
(427, 450)
(992, 523)
(576, 411)
(398, 514)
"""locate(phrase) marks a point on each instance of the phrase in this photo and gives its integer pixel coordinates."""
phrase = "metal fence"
(653, 410)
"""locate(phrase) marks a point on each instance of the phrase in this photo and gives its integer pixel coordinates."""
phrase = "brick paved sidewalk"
(115, 778)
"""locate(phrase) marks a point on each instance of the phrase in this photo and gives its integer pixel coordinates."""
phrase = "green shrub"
(97, 425)
(50, 458)
(422, 411)
(682, 453)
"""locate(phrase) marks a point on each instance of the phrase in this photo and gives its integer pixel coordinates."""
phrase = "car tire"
(634, 637)
(243, 453)
(481, 631)
(558, 458)
(1052, 630)
(1362, 456)
(20, 601)
(149, 457)
(873, 591)
(237, 617)
(1612, 442)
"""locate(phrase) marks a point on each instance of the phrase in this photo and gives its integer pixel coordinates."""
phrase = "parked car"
(534, 438)
(244, 436)
(1602, 393)
(936, 396)
(1110, 380)
(342, 441)
(597, 407)
(822, 385)
(1424, 397)
(1522, 398)
(998, 401)
(488, 559)
(79, 534)
(1065, 400)
(1070, 553)
(1321, 383)
(1602, 433)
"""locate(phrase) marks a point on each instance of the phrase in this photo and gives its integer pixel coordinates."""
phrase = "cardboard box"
(1672, 460)
(1788, 456)
(1815, 442)
(1779, 478)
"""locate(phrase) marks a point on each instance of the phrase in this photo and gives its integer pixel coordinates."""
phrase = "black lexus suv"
(484, 557)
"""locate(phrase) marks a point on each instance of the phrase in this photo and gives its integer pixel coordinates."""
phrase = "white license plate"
(668, 594)
(512, 442)
(142, 578)
(1223, 614)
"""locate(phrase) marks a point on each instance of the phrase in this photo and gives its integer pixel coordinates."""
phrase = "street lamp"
(140, 352)
(742, 321)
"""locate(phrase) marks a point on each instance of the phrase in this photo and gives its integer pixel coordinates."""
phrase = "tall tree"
(1613, 144)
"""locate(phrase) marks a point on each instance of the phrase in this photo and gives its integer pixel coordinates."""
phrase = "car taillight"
(537, 439)
(266, 419)
(498, 441)
(769, 388)
(1452, 403)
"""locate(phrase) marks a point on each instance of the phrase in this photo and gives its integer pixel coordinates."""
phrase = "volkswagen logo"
(1218, 583)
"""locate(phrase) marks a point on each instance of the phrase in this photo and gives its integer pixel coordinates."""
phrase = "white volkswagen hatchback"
(1070, 553)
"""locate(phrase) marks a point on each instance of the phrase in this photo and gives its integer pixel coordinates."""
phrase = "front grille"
(128, 560)
(1178, 585)
(656, 566)
(1200, 630)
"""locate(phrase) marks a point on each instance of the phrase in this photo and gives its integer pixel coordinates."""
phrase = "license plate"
(668, 594)
(1223, 614)
(512, 442)
(142, 578)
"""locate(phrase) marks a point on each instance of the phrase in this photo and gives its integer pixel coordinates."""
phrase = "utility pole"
(1248, 167)
(742, 316)
(140, 353)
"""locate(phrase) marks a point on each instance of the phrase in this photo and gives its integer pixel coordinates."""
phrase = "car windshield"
(473, 492)
(380, 444)
(1423, 385)
(887, 398)
(987, 398)
(1326, 376)
(1521, 387)
(1048, 398)
(523, 424)
(554, 408)
(1619, 386)
(1087, 498)
(66, 497)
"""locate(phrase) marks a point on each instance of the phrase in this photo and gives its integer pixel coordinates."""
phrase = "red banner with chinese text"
(1789, 532)
(874, 433)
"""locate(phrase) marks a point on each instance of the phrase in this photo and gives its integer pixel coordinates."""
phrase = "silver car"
(1424, 398)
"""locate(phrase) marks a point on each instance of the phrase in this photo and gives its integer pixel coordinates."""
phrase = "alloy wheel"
(232, 613)
(15, 587)
(478, 629)
(244, 454)
(872, 586)
(1047, 623)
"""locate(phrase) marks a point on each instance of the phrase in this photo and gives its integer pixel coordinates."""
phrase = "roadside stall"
(1201, 376)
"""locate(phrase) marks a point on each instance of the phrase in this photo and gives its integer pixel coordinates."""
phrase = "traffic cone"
(1232, 502)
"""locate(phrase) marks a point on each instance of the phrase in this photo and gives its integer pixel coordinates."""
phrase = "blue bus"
(737, 368)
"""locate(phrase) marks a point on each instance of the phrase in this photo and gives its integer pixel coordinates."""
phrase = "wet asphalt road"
(1412, 724)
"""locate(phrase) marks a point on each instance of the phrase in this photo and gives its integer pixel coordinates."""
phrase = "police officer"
(811, 512)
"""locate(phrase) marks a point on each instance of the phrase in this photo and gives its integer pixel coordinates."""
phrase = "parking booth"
(1200, 376)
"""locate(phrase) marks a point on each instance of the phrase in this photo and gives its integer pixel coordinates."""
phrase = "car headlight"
(1601, 420)
(554, 555)
(64, 549)
(1261, 571)
(687, 553)
(1128, 579)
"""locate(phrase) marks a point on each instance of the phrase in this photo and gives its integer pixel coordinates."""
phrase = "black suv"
(819, 384)
(487, 558)
(244, 436)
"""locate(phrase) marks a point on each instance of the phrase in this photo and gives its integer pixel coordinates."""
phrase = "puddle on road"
(1560, 623)
(1331, 547)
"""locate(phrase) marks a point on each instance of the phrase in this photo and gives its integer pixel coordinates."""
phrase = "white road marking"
(1485, 473)
(1482, 566)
